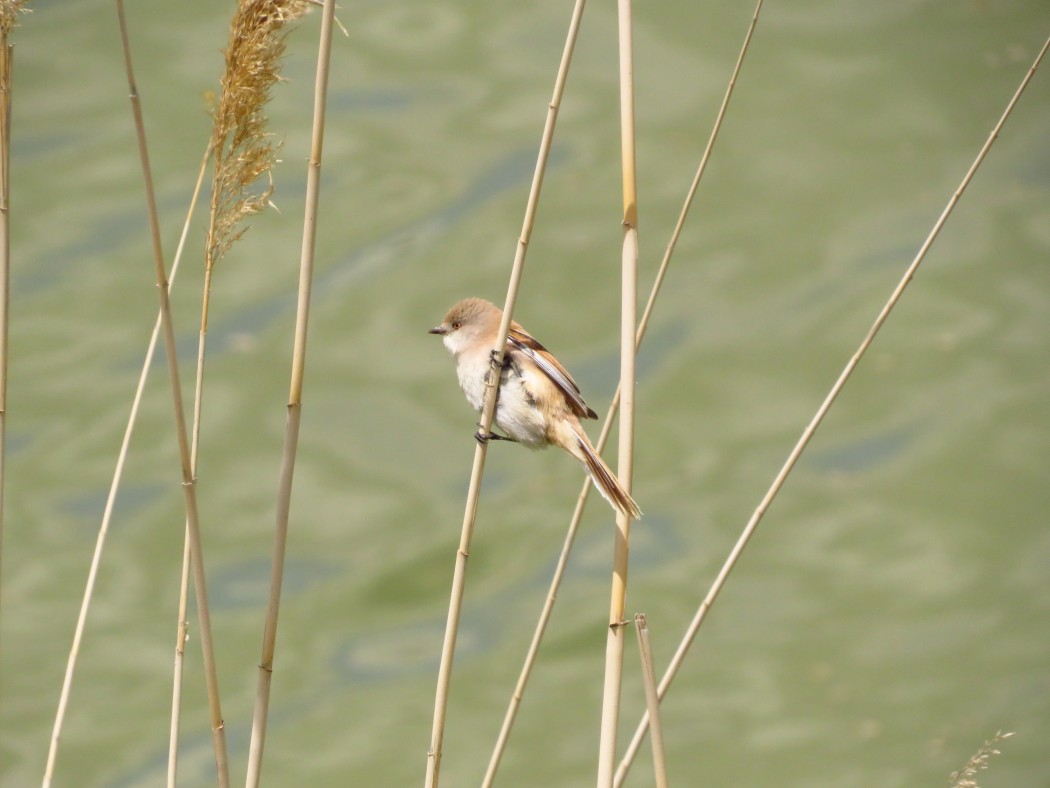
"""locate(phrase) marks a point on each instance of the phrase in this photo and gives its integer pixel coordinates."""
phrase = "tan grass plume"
(244, 151)
(9, 11)
(966, 776)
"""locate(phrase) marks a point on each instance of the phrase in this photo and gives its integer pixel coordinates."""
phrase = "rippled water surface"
(890, 614)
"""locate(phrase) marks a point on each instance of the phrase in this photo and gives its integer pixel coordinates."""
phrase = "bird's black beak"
(438, 330)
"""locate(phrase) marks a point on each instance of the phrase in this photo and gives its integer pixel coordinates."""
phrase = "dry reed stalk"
(965, 777)
(291, 438)
(182, 635)
(6, 52)
(628, 330)
(9, 12)
(807, 433)
(182, 626)
(244, 151)
(574, 523)
(188, 481)
(652, 700)
(448, 647)
(8, 18)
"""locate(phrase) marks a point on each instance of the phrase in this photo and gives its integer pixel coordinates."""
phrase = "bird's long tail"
(604, 479)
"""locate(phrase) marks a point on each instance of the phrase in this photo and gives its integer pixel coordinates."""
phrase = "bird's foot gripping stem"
(484, 437)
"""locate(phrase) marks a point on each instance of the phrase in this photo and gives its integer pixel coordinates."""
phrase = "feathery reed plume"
(964, 778)
(9, 11)
(244, 151)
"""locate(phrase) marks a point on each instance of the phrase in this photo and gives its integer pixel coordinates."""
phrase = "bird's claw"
(484, 437)
(494, 361)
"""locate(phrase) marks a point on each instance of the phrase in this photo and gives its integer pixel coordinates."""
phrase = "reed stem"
(628, 328)
(807, 433)
(295, 397)
(182, 626)
(6, 63)
(448, 647)
(652, 700)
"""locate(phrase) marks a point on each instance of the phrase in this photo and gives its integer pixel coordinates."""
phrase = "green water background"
(893, 610)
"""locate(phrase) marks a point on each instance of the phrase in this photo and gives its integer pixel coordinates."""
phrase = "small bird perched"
(538, 401)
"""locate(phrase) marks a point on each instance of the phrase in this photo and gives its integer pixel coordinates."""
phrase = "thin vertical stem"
(818, 418)
(182, 635)
(6, 62)
(652, 700)
(448, 648)
(182, 627)
(628, 328)
(574, 523)
(295, 399)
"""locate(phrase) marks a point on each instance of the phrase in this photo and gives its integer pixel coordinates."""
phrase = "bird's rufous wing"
(520, 339)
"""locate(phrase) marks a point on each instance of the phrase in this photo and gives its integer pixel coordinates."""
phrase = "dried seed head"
(244, 151)
(9, 11)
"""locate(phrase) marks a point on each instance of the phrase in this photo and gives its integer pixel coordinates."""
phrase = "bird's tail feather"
(605, 480)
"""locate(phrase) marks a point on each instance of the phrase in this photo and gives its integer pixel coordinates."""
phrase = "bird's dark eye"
(455, 325)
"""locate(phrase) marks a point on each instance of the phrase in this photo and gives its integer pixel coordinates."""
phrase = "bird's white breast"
(471, 369)
(516, 412)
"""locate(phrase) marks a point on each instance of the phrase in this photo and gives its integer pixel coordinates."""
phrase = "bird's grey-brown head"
(466, 322)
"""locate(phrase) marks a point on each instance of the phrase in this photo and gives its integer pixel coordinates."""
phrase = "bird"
(538, 403)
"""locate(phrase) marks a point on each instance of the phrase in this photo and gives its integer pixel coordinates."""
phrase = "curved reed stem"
(448, 647)
(577, 516)
(291, 437)
(807, 433)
